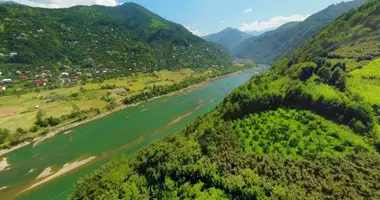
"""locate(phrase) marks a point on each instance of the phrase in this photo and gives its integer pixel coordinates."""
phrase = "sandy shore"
(51, 134)
(45, 173)
(66, 168)
(4, 151)
(4, 165)
(3, 188)
(180, 118)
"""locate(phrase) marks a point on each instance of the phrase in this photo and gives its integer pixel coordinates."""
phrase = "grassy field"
(20, 111)
(365, 82)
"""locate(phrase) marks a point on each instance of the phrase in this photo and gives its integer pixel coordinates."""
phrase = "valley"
(116, 102)
(125, 131)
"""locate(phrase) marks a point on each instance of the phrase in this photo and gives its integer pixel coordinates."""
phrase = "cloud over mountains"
(274, 22)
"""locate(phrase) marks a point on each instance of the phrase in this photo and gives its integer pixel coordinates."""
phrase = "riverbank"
(35, 141)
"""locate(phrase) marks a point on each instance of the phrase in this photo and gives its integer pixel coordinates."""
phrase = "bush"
(20, 131)
(34, 129)
(4, 134)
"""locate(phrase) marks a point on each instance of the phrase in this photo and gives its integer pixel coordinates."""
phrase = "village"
(19, 80)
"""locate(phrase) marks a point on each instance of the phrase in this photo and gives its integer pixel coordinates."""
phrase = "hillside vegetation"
(124, 37)
(307, 129)
(273, 45)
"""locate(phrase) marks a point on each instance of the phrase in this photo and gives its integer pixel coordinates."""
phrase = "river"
(94, 143)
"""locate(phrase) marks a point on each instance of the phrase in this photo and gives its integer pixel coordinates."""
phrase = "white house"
(65, 74)
(7, 80)
(40, 31)
(2, 87)
(1, 55)
(1, 73)
(13, 54)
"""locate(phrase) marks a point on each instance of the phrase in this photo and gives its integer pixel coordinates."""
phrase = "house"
(24, 77)
(7, 80)
(40, 82)
(1, 73)
(2, 55)
(65, 74)
(40, 31)
(75, 78)
(2, 87)
(12, 54)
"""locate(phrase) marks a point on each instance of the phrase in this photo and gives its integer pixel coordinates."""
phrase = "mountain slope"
(307, 129)
(229, 37)
(257, 33)
(268, 48)
(126, 36)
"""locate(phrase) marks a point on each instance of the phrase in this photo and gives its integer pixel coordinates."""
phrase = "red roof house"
(40, 82)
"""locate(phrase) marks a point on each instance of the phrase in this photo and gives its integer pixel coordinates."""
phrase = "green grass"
(19, 111)
(365, 82)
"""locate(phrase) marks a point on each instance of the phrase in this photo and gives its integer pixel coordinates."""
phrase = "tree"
(20, 131)
(39, 117)
(324, 73)
(338, 78)
(4, 134)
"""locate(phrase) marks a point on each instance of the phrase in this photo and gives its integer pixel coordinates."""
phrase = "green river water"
(122, 132)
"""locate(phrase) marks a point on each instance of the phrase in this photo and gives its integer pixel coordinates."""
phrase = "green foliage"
(4, 134)
(325, 74)
(125, 37)
(298, 134)
(307, 129)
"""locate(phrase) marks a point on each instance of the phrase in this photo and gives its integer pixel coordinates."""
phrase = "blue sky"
(210, 16)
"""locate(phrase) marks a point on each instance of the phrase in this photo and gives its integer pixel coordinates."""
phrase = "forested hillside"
(273, 45)
(125, 36)
(228, 38)
(307, 129)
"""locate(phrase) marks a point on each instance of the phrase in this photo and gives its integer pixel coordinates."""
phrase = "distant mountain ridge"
(257, 33)
(273, 45)
(127, 36)
(228, 38)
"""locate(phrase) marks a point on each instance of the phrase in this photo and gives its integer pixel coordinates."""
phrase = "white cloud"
(248, 10)
(65, 3)
(222, 22)
(193, 28)
(274, 22)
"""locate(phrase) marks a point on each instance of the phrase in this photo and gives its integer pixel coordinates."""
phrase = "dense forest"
(307, 129)
(126, 37)
(275, 44)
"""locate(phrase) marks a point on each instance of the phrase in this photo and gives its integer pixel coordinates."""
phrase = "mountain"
(306, 129)
(228, 37)
(257, 33)
(268, 48)
(8, 2)
(125, 36)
